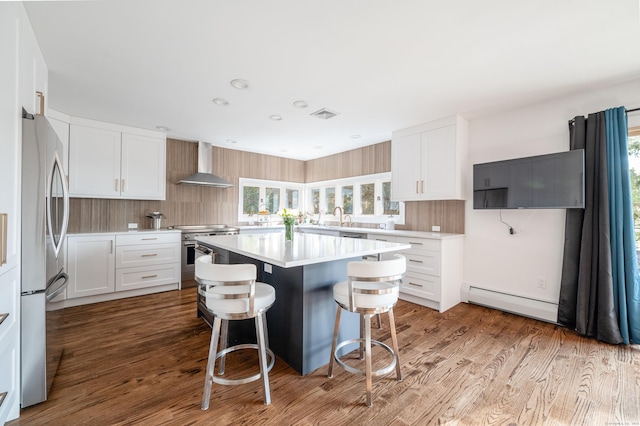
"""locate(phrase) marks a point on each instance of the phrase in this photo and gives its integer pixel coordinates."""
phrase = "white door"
(439, 168)
(405, 168)
(94, 162)
(91, 265)
(143, 167)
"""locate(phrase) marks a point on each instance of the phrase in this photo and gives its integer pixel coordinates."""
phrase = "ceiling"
(382, 65)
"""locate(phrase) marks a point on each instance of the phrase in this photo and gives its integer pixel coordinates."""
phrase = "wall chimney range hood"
(205, 177)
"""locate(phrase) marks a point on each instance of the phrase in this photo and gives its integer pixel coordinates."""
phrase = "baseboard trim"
(520, 305)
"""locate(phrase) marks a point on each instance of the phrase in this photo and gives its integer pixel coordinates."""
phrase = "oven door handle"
(202, 250)
(189, 244)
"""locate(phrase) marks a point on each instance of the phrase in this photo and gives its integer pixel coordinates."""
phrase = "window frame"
(305, 197)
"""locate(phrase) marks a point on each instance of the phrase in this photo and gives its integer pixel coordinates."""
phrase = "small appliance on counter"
(156, 219)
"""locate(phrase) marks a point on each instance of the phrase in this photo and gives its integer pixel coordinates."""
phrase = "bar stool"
(372, 288)
(232, 293)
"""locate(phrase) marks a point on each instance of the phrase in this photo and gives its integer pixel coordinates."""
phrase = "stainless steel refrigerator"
(45, 216)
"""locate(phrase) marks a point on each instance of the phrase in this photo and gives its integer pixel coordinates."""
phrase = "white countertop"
(133, 231)
(305, 249)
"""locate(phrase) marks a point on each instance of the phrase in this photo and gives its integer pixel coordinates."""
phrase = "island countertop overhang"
(305, 249)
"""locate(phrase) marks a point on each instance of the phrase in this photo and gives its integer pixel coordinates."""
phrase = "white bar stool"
(372, 288)
(232, 293)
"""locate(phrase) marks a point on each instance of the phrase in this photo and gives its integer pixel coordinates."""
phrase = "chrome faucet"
(334, 213)
(350, 221)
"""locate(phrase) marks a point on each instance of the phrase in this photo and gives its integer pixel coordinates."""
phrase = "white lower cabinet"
(112, 266)
(434, 270)
(147, 260)
(90, 260)
(9, 345)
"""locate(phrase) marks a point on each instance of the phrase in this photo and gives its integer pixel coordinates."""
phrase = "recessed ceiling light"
(231, 141)
(318, 147)
(221, 102)
(163, 128)
(355, 136)
(283, 150)
(239, 84)
(300, 104)
(275, 117)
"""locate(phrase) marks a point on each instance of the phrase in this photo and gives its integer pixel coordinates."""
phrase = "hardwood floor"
(142, 360)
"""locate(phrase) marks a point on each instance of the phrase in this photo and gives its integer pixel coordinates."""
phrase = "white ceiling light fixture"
(163, 128)
(300, 104)
(318, 147)
(239, 84)
(220, 101)
(275, 117)
(324, 114)
(231, 141)
(355, 136)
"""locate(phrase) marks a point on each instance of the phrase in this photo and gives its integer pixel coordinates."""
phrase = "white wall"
(512, 264)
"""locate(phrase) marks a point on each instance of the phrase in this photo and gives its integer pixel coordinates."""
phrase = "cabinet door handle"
(123, 190)
(4, 225)
(415, 261)
(422, 186)
(149, 276)
(147, 239)
(111, 249)
(3, 395)
(150, 255)
(117, 190)
(414, 284)
(417, 192)
(413, 243)
(3, 317)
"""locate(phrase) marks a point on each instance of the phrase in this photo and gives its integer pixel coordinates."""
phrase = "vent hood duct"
(204, 177)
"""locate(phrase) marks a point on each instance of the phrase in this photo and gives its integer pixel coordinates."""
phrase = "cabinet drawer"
(419, 244)
(427, 262)
(141, 277)
(8, 304)
(9, 367)
(147, 238)
(425, 286)
(380, 237)
(145, 255)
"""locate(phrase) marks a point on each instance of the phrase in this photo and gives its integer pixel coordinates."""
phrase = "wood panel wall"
(196, 205)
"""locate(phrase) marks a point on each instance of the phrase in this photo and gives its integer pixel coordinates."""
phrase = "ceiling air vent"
(324, 113)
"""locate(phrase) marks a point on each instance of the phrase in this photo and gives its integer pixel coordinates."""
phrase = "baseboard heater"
(532, 308)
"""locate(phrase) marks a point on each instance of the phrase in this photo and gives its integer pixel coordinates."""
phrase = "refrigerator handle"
(57, 168)
(54, 291)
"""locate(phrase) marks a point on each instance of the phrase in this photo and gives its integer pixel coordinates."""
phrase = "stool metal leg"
(213, 351)
(379, 321)
(367, 356)
(394, 341)
(335, 342)
(262, 355)
(224, 342)
(361, 334)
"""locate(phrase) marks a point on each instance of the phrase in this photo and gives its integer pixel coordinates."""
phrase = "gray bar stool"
(372, 288)
(232, 293)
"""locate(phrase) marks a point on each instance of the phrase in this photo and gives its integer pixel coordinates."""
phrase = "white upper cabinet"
(110, 161)
(428, 162)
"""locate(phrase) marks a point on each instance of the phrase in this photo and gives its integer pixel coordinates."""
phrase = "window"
(270, 196)
(367, 199)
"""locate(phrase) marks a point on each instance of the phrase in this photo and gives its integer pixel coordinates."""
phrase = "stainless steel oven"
(189, 252)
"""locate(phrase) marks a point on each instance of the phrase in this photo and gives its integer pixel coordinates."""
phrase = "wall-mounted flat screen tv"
(551, 181)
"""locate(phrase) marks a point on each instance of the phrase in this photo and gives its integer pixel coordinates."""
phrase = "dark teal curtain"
(626, 282)
(599, 288)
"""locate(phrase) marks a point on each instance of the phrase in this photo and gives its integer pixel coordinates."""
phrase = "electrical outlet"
(267, 268)
(435, 228)
(133, 226)
(542, 282)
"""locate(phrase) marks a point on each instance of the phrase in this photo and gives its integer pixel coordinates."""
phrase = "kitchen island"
(303, 272)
